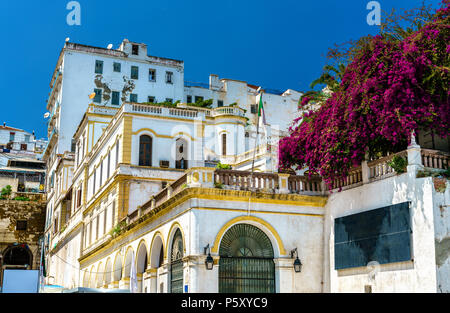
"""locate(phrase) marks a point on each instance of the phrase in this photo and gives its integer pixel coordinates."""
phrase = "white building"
(140, 178)
(18, 141)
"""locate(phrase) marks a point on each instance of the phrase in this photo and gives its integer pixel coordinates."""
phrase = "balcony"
(379, 169)
(181, 111)
(268, 183)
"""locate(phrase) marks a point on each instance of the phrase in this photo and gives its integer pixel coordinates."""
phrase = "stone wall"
(34, 213)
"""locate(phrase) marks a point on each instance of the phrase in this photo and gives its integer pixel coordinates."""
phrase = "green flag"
(261, 109)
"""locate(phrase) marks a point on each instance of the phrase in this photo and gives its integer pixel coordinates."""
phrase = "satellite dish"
(109, 46)
(67, 39)
(92, 95)
(47, 114)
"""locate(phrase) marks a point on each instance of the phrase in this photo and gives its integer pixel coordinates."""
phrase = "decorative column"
(414, 157)
(151, 279)
(285, 275)
(200, 177)
(365, 170)
(283, 182)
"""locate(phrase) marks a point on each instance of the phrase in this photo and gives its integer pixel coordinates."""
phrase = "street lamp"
(297, 264)
(209, 262)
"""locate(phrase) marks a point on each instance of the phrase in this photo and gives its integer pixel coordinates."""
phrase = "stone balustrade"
(380, 169)
(435, 159)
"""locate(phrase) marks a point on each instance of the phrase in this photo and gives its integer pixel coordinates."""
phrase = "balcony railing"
(183, 110)
(380, 169)
(245, 180)
(236, 180)
(435, 159)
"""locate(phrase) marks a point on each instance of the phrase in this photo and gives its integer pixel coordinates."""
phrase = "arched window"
(181, 154)
(145, 150)
(246, 261)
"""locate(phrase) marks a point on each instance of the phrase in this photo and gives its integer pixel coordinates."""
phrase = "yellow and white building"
(140, 182)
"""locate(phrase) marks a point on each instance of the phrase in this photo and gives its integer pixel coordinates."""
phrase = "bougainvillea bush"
(388, 90)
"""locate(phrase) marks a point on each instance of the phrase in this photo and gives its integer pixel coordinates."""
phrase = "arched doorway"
(18, 256)
(156, 262)
(141, 266)
(246, 261)
(176, 263)
(117, 273)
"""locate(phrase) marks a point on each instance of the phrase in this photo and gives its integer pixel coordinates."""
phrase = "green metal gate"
(246, 261)
(176, 264)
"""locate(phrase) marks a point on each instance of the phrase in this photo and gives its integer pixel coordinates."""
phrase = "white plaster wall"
(140, 192)
(296, 231)
(78, 82)
(200, 227)
(163, 148)
(415, 276)
(441, 204)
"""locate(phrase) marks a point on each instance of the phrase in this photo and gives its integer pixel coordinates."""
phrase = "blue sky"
(278, 44)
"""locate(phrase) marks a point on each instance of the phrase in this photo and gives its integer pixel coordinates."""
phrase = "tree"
(390, 87)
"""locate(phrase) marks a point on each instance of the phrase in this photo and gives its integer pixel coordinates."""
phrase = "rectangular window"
(105, 216)
(117, 154)
(133, 97)
(382, 235)
(115, 97)
(21, 225)
(108, 167)
(151, 75)
(96, 227)
(253, 108)
(113, 213)
(198, 98)
(189, 99)
(134, 72)
(101, 173)
(151, 99)
(169, 77)
(79, 197)
(93, 183)
(224, 144)
(12, 135)
(116, 67)
(98, 67)
(135, 49)
(27, 138)
(219, 103)
(98, 95)
(23, 146)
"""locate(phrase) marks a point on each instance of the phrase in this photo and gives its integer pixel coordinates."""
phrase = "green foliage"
(398, 164)
(221, 166)
(166, 104)
(202, 103)
(6, 191)
(218, 185)
(20, 198)
(118, 229)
